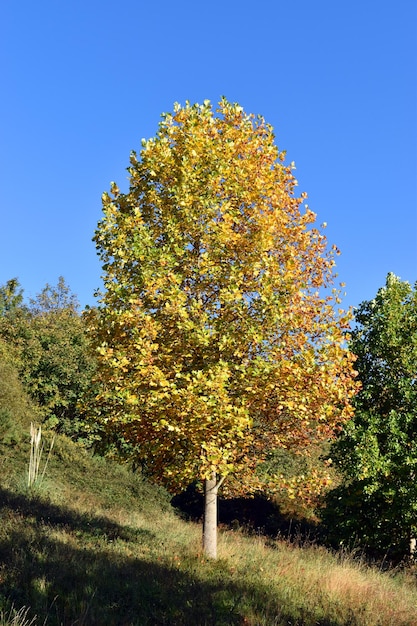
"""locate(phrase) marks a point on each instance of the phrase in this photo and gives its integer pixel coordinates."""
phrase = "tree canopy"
(217, 331)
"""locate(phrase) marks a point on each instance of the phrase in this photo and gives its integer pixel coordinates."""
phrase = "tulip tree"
(215, 338)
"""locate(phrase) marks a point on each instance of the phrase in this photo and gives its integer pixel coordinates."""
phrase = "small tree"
(11, 297)
(215, 340)
(376, 506)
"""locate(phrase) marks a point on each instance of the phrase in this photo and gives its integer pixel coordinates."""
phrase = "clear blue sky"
(83, 81)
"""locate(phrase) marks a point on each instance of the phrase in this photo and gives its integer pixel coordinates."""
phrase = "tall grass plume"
(36, 449)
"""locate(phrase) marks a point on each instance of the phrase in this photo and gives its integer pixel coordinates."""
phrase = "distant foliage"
(376, 506)
(51, 352)
(11, 297)
(305, 475)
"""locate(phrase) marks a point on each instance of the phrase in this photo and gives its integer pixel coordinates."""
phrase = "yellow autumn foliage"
(217, 334)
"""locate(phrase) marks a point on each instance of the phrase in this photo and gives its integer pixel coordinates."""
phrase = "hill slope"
(95, 544)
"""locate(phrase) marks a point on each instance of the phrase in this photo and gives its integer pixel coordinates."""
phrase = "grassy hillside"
(96, 545)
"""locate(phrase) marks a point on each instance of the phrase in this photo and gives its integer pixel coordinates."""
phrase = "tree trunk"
(210, 517)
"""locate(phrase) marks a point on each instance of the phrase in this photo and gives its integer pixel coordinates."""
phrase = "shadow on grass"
(61, 517)
(68, 581)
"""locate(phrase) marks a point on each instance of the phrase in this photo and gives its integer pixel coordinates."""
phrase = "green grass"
(95, 544)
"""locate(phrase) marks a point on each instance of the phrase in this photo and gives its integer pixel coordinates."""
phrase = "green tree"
(215, 341)
(11, 297)
(52, 355)
(376, 506)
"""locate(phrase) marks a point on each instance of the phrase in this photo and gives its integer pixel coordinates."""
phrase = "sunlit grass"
(15, 617)
(97, 545)
(311, 581)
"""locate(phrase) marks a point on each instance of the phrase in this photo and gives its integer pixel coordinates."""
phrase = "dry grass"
(17, 618)
(334, 587)
(36, 450)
